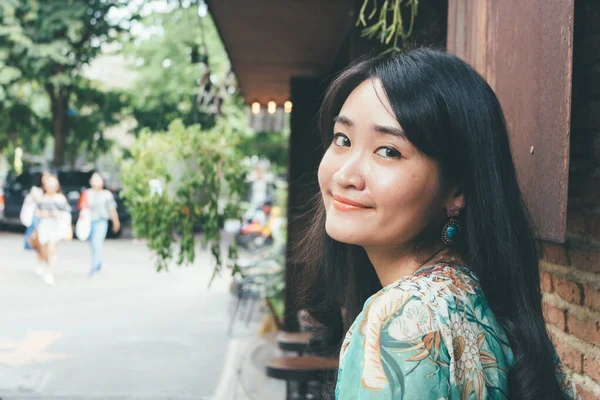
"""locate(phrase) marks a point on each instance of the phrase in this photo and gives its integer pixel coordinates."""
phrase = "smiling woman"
(371, 166)
(421, 241)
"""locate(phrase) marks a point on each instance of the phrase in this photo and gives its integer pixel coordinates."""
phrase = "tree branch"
(50, 90)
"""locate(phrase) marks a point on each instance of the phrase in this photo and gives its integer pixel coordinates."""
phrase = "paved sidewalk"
(244, 376)
(127, 333)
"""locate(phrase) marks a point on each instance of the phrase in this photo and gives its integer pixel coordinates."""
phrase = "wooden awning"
(270, 41)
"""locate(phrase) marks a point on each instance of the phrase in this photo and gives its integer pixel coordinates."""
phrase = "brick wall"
(570, 274)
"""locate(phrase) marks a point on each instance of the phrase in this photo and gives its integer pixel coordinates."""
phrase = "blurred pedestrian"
(101, 206)
(28, 210)
(54, 213)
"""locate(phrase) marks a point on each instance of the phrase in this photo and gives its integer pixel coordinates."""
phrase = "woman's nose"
(350, 175)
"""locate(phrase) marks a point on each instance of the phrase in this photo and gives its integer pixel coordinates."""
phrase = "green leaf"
(9, 74)
(388, 34)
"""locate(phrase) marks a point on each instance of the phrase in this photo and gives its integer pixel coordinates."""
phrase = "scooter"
(256, 233)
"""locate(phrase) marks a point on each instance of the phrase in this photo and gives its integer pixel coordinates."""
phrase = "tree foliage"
(24, 120)
(48, 43)
(182, 70)
(185, 170)
(270, 145)
(180, 179)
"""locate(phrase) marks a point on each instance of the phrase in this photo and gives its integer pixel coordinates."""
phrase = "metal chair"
(251, 287)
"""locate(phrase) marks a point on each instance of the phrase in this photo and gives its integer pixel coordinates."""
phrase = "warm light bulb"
(255, 107)
(287, 106)
(271, 107)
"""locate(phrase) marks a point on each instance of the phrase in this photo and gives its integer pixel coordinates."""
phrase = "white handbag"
(83, 227)
(27, 211)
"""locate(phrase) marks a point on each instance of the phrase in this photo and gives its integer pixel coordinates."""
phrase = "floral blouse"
(431, 335)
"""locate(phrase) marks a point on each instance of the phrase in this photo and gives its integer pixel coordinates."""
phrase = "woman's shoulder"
(438, 298)
(438, 284)
(442, 310)
(419, 302)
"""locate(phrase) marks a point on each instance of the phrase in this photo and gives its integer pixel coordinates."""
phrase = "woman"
(28, 216)
(100, 206)
(54, 213)
(422, 239)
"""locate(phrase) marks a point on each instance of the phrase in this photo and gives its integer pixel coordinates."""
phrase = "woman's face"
(45, 176)
(96, 181)
(51, 185)
(378, 190)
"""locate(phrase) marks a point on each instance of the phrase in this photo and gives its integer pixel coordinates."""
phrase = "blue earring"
(453, 228)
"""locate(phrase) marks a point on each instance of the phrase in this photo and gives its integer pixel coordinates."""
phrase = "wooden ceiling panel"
(270, 41)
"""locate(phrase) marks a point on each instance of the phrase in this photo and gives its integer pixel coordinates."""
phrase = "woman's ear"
(456, 198)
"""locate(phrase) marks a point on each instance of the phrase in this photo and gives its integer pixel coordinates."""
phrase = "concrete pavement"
(128, 332)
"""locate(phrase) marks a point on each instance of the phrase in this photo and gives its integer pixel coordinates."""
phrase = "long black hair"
(451, 115)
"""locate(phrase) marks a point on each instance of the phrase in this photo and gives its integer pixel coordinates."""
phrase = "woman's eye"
(341, 140)
(388, 152)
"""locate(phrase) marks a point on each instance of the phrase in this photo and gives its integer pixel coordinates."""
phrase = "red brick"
(546, 282)
(575, 326)
(585, 329)
(585, 259)
(591, 367)
(568, 290)
(555, 316)
(592, 297)
(571, 357)
(554, 253)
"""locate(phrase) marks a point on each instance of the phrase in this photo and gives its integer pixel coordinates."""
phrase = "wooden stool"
(300, 370)
(294, 341)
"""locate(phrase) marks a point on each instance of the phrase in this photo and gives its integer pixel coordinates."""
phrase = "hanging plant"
(180, 181)
(387, 22)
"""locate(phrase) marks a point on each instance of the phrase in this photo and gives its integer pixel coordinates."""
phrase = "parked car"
(16, 187)
(73, 182)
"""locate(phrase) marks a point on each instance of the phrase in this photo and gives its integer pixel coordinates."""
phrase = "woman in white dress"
(54, 213)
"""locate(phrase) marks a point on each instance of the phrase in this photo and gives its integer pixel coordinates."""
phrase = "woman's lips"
(344, 204)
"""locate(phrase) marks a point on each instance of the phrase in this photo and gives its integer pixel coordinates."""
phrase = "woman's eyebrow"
(389, 130)
(343, 120)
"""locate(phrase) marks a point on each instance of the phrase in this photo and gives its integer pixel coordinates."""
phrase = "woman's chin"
(345, 234)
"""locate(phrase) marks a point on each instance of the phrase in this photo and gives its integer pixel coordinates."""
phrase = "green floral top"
(431, 335)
